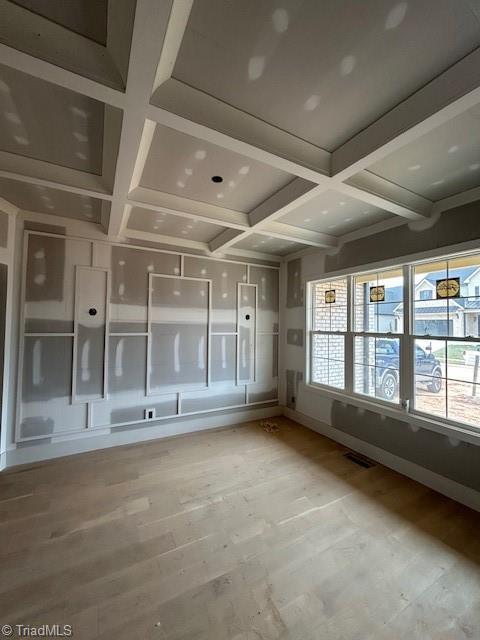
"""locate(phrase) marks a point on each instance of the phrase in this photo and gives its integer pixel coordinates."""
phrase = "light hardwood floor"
(236, 534)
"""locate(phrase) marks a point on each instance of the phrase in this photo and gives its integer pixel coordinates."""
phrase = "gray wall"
(3, 305)
(458, 461)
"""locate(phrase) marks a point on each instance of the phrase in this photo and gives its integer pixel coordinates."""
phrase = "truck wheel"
(435, 386)
(389, 386)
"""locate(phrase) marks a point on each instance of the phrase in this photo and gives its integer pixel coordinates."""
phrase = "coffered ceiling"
(239, 126)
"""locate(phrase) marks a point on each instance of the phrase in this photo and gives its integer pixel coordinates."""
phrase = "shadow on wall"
(3, 229)
(294, 378)
(453, 227)
(456, 460)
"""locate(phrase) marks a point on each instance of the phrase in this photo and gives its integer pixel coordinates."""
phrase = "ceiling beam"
(155, 201)
(154, 23)
(198, 114)
(446, 96)
(8, 207)
(297, 234)
(71, 80)
(279, 203)
(157, 238)
(186, 208)
(457, 200)
(54, 176)
(172, 42)
(379, 192)
(226, 239)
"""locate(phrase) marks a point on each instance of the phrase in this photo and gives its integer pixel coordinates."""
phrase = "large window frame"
(407, 402)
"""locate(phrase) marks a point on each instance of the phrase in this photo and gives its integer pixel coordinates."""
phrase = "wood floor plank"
(235, 534)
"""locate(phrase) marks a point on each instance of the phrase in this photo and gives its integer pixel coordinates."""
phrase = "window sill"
(414, 420)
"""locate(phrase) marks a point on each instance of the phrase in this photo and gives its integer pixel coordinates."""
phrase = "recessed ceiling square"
(268, 244)
(88, 37)
(167, 224)
(334, 213)
(321, 70)
(183, 165)
(47, 122)
(441, 163)
(89, 19)
(35, 197)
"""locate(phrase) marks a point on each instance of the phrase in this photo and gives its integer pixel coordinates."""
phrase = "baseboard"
(38, 452)
(447, 487)
(3, 460)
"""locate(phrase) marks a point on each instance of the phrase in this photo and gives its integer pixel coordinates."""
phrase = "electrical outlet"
(149, 414)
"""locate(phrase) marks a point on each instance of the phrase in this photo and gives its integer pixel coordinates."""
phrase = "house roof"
(463, 274)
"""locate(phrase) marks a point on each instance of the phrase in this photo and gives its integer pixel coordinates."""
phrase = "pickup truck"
(428, 370)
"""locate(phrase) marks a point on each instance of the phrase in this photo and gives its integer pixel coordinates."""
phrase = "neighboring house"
(388, 321)
(456, 316)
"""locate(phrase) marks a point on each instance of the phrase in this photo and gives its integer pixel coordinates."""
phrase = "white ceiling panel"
(47, 122)
(183, 165)
(322, 70)
(335, 214)
(169, 225)
(268, 244)
(32, 197)
(440, 163)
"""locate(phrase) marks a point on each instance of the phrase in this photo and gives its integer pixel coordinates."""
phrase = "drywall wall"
(3, 229)
(3, 318)
(444, 455)
(120, 336)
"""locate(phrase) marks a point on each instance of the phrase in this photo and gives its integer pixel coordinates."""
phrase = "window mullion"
(349, 337)
(406, 342)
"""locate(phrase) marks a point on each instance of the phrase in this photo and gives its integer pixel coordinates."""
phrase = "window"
(378, 313)
(447, 346)
(363, 342)
(426, 294)
(329, 325)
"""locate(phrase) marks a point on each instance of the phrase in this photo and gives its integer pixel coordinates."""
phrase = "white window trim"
(404, 410)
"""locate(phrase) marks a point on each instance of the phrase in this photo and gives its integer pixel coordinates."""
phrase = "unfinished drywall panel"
(130, 268)
(224, 277)
(267, 283)
(50, 282)
(246, 327)
(194, 401)
(135, 326)
(127, 400)
(223, 359)
(294, 284)
(91, 294)
(266, 370)
(179, 334)
(295, 337)
(46, 407)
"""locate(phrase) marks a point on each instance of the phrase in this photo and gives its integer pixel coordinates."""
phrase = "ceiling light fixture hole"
(217, 179)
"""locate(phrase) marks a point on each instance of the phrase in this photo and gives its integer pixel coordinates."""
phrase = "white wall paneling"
(90, 358)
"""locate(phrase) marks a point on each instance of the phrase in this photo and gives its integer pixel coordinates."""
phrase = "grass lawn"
(455, 352)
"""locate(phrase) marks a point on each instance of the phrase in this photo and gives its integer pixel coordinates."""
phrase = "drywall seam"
(435, 481)
(104, 441)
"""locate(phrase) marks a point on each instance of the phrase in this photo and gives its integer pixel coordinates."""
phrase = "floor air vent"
(357, 458)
